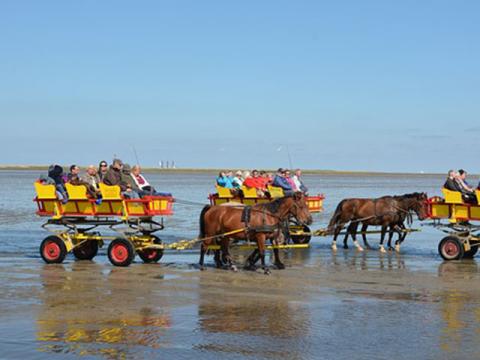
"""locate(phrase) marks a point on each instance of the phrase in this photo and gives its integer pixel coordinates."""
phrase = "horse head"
(420, 205)
(299, 209)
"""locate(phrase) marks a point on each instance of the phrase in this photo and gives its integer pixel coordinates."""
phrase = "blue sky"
(348, 85)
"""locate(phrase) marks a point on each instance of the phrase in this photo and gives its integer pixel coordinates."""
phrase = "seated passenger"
(224, 180)
(74, 173)
(297, 179)
(281, 181)
(451, 183)
(102, 169)
(143, 186)
(256, 182)
(91, 181)
(468, 192)
(114, 177)
(55, 173)
(238, 180)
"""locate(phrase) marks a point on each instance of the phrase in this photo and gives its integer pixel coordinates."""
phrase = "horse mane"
(414, 195)
(273, 206)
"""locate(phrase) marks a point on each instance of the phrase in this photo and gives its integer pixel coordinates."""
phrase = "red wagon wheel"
(53, 250)
(451, 248)
(121, 252)
(151, 255)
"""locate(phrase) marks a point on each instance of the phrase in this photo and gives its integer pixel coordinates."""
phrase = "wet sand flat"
(324, 305)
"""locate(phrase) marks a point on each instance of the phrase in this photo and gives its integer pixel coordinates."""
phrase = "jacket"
(452, 185)
(282, 182)
(225, 182)
(114, 177)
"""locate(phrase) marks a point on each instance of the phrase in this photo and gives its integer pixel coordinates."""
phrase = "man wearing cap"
(114, 177)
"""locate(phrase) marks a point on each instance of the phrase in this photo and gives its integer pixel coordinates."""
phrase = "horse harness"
(264, 228)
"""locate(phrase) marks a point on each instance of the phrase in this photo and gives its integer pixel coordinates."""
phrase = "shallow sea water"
(325, 305)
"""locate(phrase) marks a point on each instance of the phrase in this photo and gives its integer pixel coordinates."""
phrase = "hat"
(117, 161)
(127, 167)
(239, 173)
(281, 170)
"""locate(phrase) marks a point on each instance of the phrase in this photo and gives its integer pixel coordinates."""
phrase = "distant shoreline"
(215, 171)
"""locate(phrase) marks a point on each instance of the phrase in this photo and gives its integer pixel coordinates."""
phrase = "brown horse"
(387, 212)
(266, 222)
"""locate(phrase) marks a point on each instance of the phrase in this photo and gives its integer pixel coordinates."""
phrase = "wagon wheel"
(151, 255)
(451, 248)
(471, 253)
(300, 239)
(87, 251)
(53, 250)
(121, 252)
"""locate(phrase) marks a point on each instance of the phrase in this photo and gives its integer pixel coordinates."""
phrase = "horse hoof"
(267, 271)
(334, 247)
(202, 268)
(359, 248)
(280, 266)
(397, 248)
(250, 267)
(345, 247)
(233, 268)
(382, 250)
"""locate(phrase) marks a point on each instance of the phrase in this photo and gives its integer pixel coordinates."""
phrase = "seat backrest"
(275, 192)
(477, 192)
(76, 192)
(452, 197)
(250, 193)
(223, 192)
(45, 192)
(110, 192)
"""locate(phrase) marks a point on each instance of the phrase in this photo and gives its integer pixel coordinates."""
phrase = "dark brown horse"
(389, 212)
(266, 222)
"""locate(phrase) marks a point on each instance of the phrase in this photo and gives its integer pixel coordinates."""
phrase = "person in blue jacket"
(281, 181)
(225, 180)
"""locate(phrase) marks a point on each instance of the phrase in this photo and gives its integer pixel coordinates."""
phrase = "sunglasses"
(103, 165)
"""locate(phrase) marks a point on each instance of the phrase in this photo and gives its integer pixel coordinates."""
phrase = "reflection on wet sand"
(87, 312)
(460, 309)
(264, 326)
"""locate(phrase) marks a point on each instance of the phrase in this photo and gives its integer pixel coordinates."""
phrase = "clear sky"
(348, 85)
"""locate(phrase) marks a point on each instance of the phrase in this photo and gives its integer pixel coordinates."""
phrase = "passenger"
(265, 179)
(55, 173)
(74, 173)
(224, 180)
(143, 186)
(290, 180)
(238, 180)
(128, 179)
(256, 182)
(102, 169)
(114, 177)
(297, 179)
(92, 181)
(468, 193)
(281, 181)
(451, 183)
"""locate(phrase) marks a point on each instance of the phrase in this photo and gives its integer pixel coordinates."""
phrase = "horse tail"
(336, 216)
(202, 221)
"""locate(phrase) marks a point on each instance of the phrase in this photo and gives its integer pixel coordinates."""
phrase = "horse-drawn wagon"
(454, 217)
(74, 224)
(299, 233)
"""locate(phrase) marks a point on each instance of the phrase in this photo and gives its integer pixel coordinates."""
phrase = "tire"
(451, 248)
(86, 251)
(471, 253)
(302, 239)
(151, 255)
(53, 250)
(121, 252)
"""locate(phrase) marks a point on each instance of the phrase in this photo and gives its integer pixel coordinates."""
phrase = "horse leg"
(354, 228)
(252, 260)
(261, 250)
(382, 239)
(364, 236)
(203, 250)
(218, 260)
(278, 262)
(226, 255)
(337, 231)
(390, 236)
(345, 245)
(401, 237)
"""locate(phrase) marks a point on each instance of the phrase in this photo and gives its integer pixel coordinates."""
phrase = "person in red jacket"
(257, 182)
